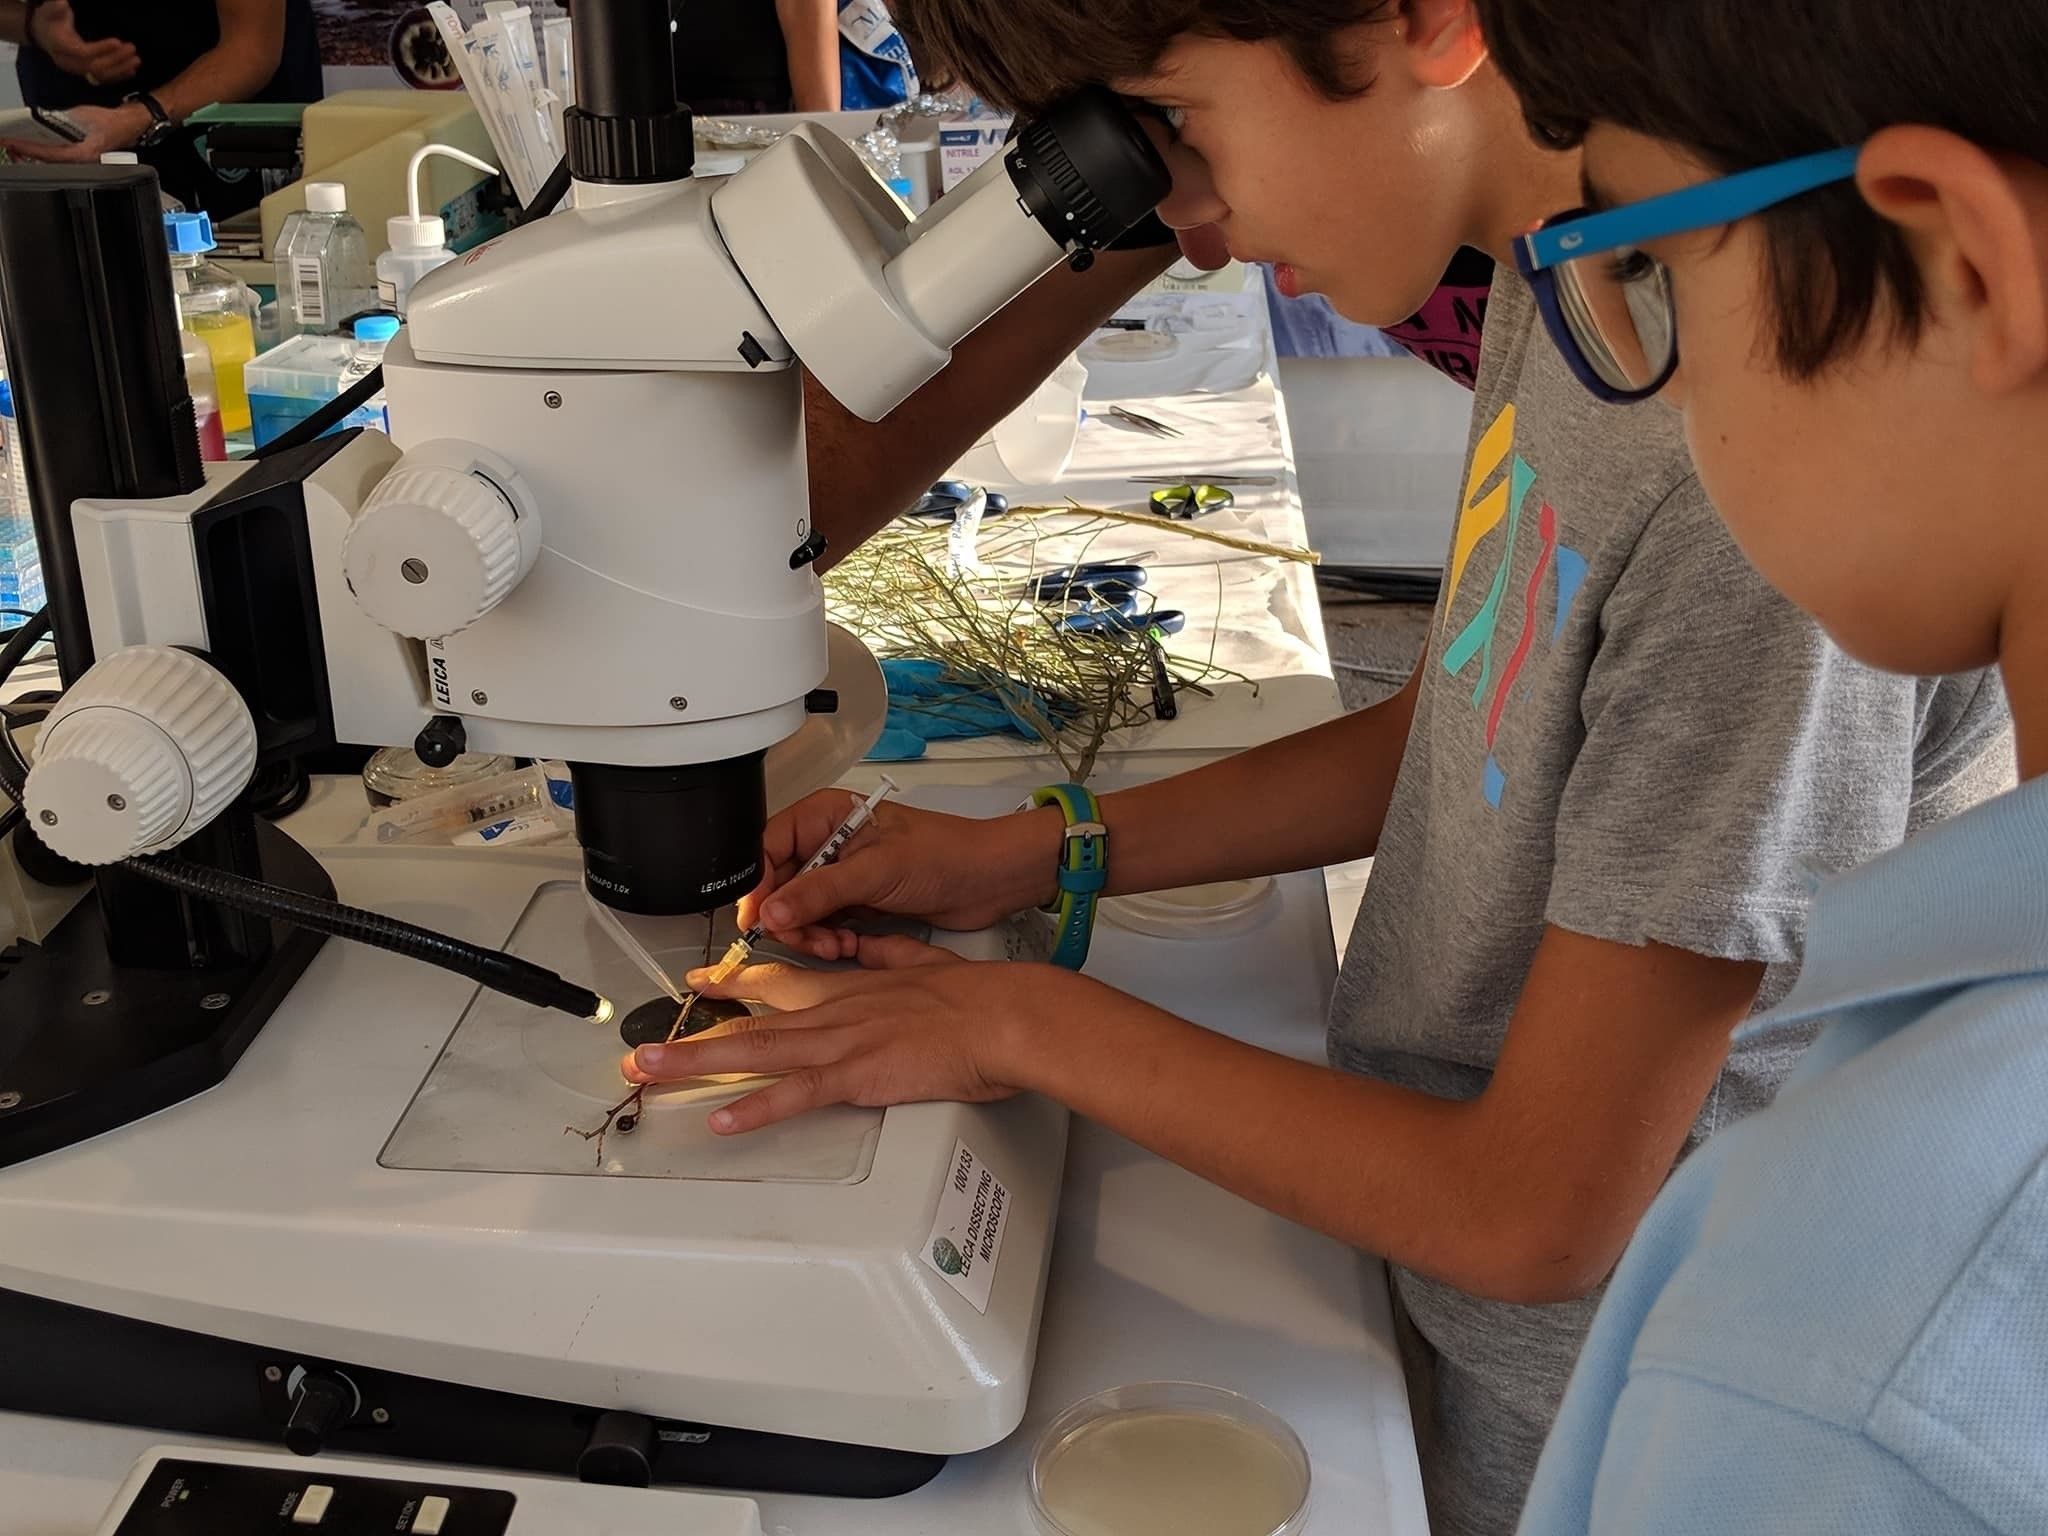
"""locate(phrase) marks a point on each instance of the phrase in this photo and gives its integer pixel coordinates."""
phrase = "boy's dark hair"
(1026, 54)
(1740, 85)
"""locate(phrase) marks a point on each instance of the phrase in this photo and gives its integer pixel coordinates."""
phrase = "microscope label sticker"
(967, 1233)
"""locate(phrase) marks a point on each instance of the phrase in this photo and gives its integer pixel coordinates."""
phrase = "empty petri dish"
(1196, 911)
(1169, 1456)
(1128, 347)
(396, 773)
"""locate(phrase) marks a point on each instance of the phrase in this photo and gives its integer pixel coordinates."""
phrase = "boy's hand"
(950, 870)
(917, 1024)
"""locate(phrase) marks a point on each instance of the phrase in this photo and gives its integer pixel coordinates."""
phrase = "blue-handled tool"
(1110, 611)
(1082, 581)
(1119, 614)
(942, 503)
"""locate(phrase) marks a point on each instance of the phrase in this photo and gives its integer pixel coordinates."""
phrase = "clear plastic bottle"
(216, 307)
(419, 244)
(21, 570)
(373, 334)
(323, 265)
(419, 241)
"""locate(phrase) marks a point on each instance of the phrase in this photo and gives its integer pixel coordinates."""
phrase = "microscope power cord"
(13, 770)
(551, 192)
(336, 410)
(492, 968)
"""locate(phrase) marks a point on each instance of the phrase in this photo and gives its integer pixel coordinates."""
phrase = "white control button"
(433, 1514)
(313, 1505)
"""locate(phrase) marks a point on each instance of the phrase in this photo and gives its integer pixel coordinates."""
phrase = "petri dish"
(1166, 1456)
(1196, 911)
(1128, 347)
(396, 773)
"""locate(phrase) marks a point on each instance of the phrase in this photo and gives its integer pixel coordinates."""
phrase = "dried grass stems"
(1072, 690)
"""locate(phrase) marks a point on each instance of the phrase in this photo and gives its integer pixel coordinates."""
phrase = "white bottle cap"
(326, 197)
(120, 157)
(415, 232)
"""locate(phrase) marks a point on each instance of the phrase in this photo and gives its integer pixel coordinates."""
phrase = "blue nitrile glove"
(926, 706)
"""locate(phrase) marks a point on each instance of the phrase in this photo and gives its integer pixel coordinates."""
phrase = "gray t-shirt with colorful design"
(1624, 732)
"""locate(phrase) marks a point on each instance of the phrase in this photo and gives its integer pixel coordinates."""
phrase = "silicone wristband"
(1083, 872)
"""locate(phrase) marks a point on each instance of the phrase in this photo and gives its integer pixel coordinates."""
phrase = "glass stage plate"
(514, 1082)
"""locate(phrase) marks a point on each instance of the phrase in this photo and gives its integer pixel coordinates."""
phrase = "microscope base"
(86, 1045)
(76, 1363)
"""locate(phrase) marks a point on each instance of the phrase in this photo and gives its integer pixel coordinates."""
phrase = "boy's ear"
(1443, 41)
(1978, 224)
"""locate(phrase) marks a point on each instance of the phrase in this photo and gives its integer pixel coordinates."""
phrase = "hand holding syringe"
(743, 946)
(624, 1116)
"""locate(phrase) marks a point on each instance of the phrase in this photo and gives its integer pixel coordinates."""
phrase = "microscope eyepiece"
(1086, 170)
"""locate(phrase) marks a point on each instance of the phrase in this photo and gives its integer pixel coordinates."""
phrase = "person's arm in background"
(810, 37)
(864, 473)
(234, 69)
(103, 61)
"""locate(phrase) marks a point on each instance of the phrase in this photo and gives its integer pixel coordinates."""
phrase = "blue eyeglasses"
(1608, 303)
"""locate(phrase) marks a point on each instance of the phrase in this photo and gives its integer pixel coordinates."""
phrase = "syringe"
(741, 948)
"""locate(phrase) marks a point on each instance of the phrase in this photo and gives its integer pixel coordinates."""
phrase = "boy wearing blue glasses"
(1833, 256)
(1591, 808)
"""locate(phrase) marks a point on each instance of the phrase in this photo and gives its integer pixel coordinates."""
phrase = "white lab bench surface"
(1156, 1274)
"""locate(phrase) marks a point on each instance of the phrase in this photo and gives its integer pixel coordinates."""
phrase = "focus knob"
(321, 1404)
(441, 541)
(142, 752)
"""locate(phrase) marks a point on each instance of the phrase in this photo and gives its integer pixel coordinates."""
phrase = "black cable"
(346, 326)
(550, 193)
(359, 393)
(15, 716)
(335, 410)
(279, 789)
(493, 968)
(23, 640)
(13, 770)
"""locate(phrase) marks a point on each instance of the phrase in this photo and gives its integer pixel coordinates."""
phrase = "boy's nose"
(1191, 201)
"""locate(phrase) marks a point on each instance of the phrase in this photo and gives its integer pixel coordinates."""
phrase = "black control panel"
(202, 1498)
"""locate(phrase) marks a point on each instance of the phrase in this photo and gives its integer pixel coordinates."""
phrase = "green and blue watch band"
(1084, 870)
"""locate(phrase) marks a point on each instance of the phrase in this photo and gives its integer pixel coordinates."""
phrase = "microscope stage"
(517, 1085)
(384, 1180)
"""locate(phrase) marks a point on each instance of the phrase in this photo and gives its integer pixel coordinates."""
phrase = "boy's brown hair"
(1026, 54)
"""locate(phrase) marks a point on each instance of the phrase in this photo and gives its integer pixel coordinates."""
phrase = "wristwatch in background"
(160, 125)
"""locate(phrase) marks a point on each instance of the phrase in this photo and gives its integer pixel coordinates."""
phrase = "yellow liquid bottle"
(232, 341)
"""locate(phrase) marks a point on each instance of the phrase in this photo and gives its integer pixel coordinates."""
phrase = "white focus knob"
(140, 753)
(441, 540)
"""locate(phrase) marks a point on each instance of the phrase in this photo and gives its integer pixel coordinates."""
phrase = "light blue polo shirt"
(1835, 1317)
